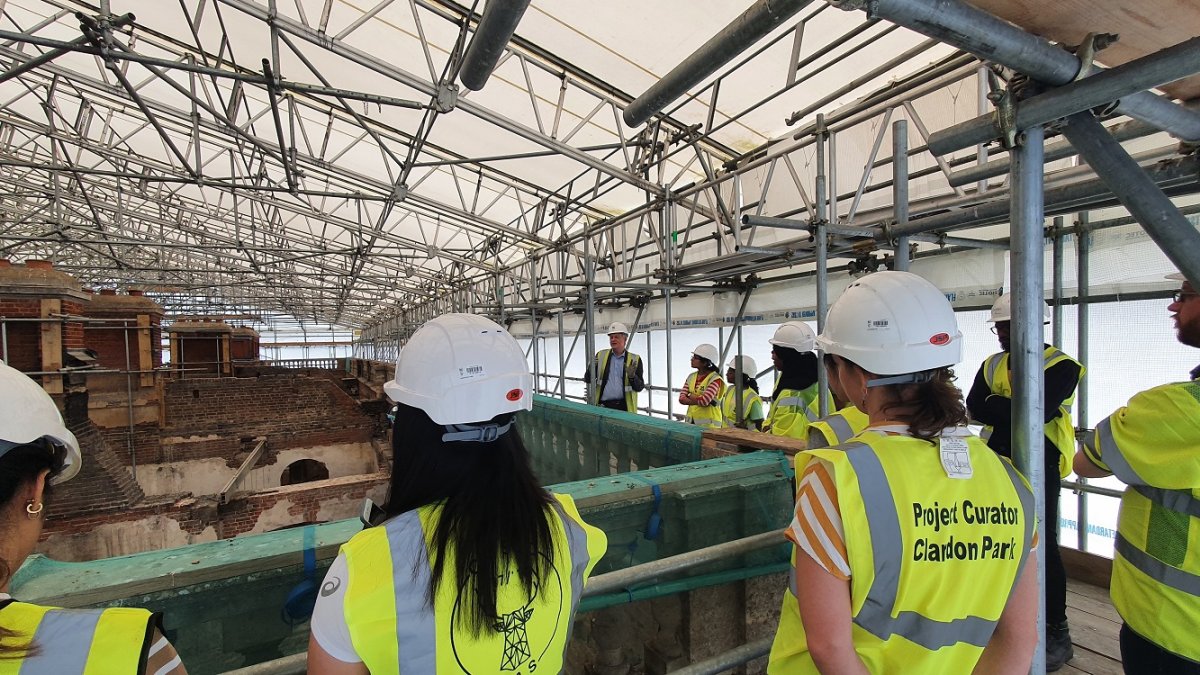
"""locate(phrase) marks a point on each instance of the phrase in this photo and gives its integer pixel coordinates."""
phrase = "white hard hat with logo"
(462, 369)
(618, 327)
(795, 335)
(893, 323)
(29, 417)
(1002, 310)
(707, 351)
(745, 363)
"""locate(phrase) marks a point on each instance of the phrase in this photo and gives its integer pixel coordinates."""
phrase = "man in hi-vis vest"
(990, 403)
(1153, 446)
(616, 373)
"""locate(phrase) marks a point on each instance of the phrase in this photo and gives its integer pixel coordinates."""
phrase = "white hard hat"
(892, 323)
(746, 363)
(707, 351)
(1002, 310)
(795, 335)
(618, 327)
(30, 415)
(462, 369)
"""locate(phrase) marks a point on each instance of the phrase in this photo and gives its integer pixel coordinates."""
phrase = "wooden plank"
(1089, 590)
(1097, 608)
(226, 362)
(1145, 27)
(52, 348)
(1097, 634)
(1087, 567)
(1088, 661)
(145, 351)
(756, 440)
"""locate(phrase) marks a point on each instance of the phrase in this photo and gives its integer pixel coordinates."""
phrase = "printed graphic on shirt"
(527, 624)
(933, 545)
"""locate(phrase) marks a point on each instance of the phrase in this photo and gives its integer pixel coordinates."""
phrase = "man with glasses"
(990, 403)
(1153, 445)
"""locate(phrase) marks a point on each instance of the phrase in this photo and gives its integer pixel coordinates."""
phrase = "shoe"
(1059, 649)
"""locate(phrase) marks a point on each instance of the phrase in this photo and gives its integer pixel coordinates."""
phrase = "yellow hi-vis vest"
(1153, 445)
(394, 630)
(729, 406)
(708, 416)
(84, 641)
(933, 559)
(601, 370)
(837, 428)
(793, 410)
(1059, 430)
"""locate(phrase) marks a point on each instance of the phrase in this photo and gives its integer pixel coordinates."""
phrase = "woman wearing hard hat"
(752, 413)
(914, 541)
(796, 387)
(38, 452)
(471, 566)
(703, 390)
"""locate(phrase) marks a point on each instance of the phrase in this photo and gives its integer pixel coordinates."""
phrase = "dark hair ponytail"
(494, 510)
(928, 407)
(18, 467)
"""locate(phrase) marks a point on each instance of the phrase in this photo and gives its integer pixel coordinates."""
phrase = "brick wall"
(24, 337)
(72, 335)
(103, 484)
(210, 417)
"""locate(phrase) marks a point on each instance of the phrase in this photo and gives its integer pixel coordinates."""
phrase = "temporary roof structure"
(318, 158)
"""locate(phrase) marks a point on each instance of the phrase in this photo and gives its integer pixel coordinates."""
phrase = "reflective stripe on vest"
(599, 378)
(729, 405)
(708, 416)
(1180, 580)
(1059, 430)
(1176, 500)
(793, 411)
(1110, 453)
(840, 427)
(86, 641)
(395, 630)
(875, 616)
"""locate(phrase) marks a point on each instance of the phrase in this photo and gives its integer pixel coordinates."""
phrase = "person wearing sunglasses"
(1153, 445)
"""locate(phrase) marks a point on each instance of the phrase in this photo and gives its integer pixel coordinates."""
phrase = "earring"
(31, 512)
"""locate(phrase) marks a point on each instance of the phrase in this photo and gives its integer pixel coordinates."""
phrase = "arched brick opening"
(304, 471)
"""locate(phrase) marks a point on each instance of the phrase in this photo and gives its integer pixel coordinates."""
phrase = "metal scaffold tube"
(496, 27)
(1162, 67)
(822, 263)
(900, 188)
(753, 24)
(974, 30)
(1027, 350)
(1177, 238)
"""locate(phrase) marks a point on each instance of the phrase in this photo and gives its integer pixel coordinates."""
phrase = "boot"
(1058, 646)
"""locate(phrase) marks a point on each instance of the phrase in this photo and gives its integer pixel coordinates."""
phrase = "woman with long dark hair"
(37, 451)
(472, 567)
(795, 390)
(914, 541)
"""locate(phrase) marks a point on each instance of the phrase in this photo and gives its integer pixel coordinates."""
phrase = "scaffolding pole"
(1027, 340)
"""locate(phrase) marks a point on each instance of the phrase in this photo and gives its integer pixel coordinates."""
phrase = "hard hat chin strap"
(907, 378)
(474, 433)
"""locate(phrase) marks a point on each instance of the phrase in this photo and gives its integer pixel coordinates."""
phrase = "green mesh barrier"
(222, 600)
(570, 441)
